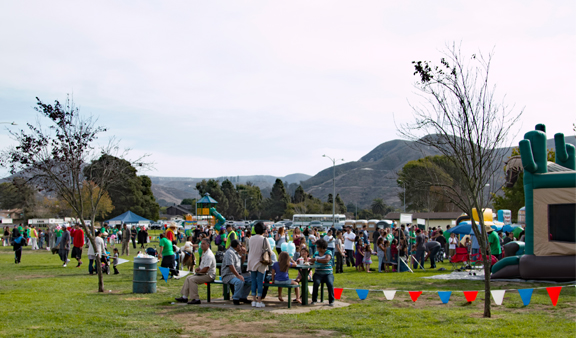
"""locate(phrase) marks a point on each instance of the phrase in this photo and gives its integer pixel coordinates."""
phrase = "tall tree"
(340, 206)
(129, 192)
(235, 207)
(188, 201)
(279, 200)
(53, 158)
(18, 194)
(299, 195)
(461, 119)
(378, 206)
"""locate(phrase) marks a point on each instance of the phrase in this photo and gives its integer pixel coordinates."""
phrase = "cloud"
(246, 87)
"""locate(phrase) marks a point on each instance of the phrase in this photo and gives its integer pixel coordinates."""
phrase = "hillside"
(175, 189)
(374, 175)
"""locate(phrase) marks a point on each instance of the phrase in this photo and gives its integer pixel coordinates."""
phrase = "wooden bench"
(226, 288)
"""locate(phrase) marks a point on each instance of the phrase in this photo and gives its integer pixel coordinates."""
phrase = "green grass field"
(41, 298)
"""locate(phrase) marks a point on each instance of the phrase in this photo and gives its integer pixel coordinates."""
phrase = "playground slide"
(220, 219)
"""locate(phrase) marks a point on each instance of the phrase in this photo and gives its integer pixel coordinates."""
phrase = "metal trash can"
(144, 280)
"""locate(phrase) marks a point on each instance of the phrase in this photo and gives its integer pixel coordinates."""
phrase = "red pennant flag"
(338, 293)
(554, 293)
(414, 295)
(470, 295)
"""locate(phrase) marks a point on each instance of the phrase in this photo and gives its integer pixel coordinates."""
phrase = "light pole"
(333, 187)
(404, 186)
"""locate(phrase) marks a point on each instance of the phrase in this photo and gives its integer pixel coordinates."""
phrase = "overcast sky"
(215, 88)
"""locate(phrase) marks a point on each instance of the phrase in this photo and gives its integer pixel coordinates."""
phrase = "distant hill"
(175, 189)
(374, 175)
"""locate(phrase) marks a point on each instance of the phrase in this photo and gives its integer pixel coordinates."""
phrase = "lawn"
(41, 298)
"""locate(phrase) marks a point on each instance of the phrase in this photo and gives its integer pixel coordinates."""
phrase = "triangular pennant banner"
(445, 296)
(122, 261)
(414, 295)
(182, 273)
(554, 293)
(498, 296)
(338, 293)
(310, 289)
(470, 296)
(165, 273)
(526, 295)
(362, 294)
(389, 294)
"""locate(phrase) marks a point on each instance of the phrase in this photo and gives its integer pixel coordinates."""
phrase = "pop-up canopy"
(128, 217)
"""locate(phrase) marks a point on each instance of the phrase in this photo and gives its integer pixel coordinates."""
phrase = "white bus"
(326, 219)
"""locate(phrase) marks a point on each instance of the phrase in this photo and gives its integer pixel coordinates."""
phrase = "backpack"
(217, 240)
(219, 255)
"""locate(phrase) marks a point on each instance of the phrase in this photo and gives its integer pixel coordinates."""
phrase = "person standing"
(33, 238)
(281, 238)
(349, 238)
(64, 246)
(420, 249)
(340, 253)
(205, 273)
(78, 242)
(142, 237)
(230, 236)
(258, 246)
(331, 244)
(494, 241)
(100, 249)
(17, 243)
(6, 238)
(133, 233)
(452, 243)
(58, 234)
(167, 255)
(41, 236)
(125, 239)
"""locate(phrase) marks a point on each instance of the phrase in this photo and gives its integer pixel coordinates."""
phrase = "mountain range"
(373, 176)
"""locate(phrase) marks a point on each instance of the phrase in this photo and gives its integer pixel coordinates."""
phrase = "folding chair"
(460, 258)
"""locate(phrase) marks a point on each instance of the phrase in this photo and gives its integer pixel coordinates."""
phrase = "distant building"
(432, 219)
(179, 210)
(15, 214)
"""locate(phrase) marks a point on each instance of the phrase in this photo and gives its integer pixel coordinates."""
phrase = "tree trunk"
(100, 277)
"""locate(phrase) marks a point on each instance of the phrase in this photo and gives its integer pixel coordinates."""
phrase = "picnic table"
(304, 271)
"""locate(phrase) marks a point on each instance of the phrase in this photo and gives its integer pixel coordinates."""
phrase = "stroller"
(105, 261)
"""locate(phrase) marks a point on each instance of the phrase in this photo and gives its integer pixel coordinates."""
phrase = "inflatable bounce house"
(549, 250)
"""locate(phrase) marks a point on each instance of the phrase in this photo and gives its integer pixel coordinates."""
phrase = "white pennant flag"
(182, 273)
(310, 288)
(389, 294)
(122, 261)
(498, 296)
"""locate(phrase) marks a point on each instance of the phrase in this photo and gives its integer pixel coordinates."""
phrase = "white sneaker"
(67, 260)
(260, 304)
(254, 304)
(64, 265)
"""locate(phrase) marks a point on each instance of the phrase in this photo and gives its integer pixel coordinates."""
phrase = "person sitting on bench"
(205, 273)
(231, 272)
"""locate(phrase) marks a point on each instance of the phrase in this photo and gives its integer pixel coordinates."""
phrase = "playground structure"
(206, 206)
(549, 250)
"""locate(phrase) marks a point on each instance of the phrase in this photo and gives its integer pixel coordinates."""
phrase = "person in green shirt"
(58, 234)
(494, 241)
(167, 255)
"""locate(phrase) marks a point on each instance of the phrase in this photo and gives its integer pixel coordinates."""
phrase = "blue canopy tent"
(128, 217)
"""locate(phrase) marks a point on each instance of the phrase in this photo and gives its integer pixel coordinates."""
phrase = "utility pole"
(333, 187)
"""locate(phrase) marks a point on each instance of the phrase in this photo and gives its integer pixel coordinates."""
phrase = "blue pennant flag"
(445, 296)
(526, 295)
(165, 273)
(362, 294)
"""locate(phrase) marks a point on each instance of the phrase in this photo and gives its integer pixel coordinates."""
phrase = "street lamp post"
(333, 187)
(404, 187)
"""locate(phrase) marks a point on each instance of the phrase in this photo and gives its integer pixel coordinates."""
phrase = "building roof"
(180, 209)
(426, 215)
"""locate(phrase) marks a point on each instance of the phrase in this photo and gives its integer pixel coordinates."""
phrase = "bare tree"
(459, 117)
(53, 160)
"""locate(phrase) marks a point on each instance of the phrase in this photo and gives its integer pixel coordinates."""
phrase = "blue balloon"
(272, 243)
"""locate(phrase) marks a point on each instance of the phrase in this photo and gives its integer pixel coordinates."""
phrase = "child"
(359, 254)
(280, 274)
(323, 271)
(394, 253)
(367, 257)
(115, 261)
(301, 260)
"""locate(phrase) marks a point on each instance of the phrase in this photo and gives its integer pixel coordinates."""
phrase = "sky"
(226, 88)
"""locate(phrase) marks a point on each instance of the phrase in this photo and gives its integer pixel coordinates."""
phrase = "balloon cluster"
(272, 243)
(289, 247)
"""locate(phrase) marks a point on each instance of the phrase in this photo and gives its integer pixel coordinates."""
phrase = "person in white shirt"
(331, 243)
(349, 238)
(453, 242)
(205, 273)
(100, 249)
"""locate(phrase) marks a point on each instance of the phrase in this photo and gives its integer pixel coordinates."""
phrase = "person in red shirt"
(78, 236)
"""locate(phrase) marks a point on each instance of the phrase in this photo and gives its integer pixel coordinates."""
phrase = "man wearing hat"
(494, 242)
